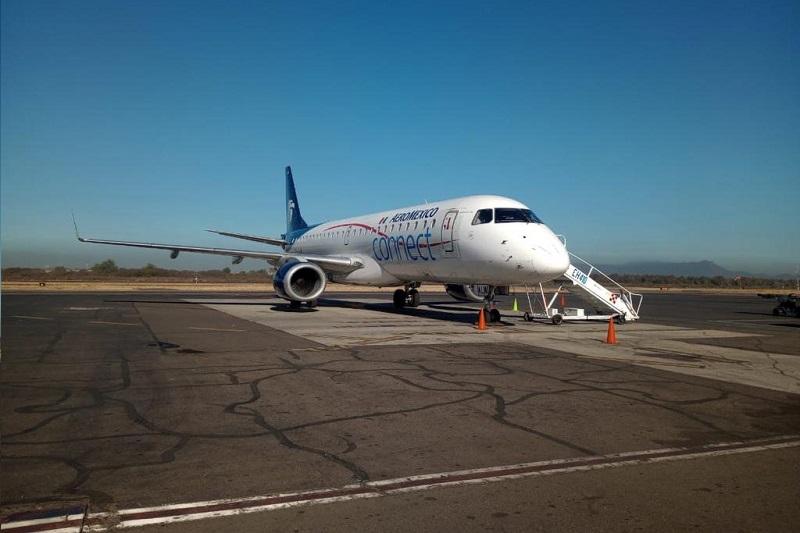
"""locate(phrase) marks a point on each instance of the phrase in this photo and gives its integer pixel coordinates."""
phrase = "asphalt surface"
(125, 401)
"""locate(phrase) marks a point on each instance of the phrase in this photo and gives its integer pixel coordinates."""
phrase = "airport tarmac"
(209, 412)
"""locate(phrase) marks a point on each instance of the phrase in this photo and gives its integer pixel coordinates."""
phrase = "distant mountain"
(693, 268)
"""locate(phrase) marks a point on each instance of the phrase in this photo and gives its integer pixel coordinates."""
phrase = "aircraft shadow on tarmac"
(444, 311)
(432, 310)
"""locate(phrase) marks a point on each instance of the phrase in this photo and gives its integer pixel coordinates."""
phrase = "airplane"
(463, 243)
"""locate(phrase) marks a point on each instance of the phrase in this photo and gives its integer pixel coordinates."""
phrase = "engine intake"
(299, 281)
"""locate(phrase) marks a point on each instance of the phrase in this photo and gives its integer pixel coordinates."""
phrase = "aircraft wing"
(254, 238)
(327, 262)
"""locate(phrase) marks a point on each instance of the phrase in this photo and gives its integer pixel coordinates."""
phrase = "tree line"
(715, 282)
(108, 270)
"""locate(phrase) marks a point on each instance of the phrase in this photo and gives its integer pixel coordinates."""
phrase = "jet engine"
(475, 293)
(466, 293)
(299, 281)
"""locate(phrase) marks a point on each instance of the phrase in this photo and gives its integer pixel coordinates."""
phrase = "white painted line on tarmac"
(112, 323)
(55, 521)
(73, 526)
(216, 329)
(182, 512)
(41, 521)
(31, 317)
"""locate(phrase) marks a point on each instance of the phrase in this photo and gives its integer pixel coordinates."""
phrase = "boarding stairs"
(608, 295)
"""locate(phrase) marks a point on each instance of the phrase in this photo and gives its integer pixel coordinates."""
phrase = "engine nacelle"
(474, 293)
(299, 281)
(467, 293)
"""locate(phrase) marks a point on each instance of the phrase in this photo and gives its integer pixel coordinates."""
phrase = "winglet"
(77, 233)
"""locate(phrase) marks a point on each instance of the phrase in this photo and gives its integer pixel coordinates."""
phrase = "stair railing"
(633, 299)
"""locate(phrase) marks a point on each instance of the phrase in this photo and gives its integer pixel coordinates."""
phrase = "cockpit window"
(483, 216)
(510, 214)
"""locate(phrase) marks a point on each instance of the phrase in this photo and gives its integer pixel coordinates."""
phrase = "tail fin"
(294, 221)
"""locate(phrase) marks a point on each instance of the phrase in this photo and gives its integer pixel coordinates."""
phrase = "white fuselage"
(439, 242)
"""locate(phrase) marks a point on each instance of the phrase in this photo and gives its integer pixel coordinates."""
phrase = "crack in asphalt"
(467, 372)
(774, 362)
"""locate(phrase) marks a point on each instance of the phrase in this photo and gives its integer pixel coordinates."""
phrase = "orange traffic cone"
(481, 320)
(611, 337)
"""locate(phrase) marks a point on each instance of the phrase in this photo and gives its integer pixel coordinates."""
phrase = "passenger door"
(448, 234)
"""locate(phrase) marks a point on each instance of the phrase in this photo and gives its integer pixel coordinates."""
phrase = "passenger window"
(483, 216)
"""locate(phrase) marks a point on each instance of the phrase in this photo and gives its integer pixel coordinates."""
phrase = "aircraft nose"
(561, 261)
(552, 259)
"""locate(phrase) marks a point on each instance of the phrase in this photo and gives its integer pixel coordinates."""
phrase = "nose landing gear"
(490, 307)
(408, 297)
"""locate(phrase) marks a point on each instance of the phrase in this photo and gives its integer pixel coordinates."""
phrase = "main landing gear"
(297, 305)
(408, 297)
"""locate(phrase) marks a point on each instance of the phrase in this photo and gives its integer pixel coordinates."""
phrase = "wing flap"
(254, 238)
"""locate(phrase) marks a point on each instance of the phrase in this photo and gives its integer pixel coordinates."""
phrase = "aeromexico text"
(410, 215)
(405, 248)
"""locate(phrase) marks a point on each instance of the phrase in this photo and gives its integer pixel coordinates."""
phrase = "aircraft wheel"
(312, 303)
(494, 315)
(399, 298)
(557, 319)
(413, 298)
(294, 305)
(527, 317)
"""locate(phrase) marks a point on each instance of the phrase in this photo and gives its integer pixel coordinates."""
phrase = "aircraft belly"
(372, 273)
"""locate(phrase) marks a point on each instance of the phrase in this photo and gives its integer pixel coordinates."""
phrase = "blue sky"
(640, 130)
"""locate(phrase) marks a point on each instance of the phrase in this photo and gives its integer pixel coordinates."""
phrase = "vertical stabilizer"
(294, 221)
